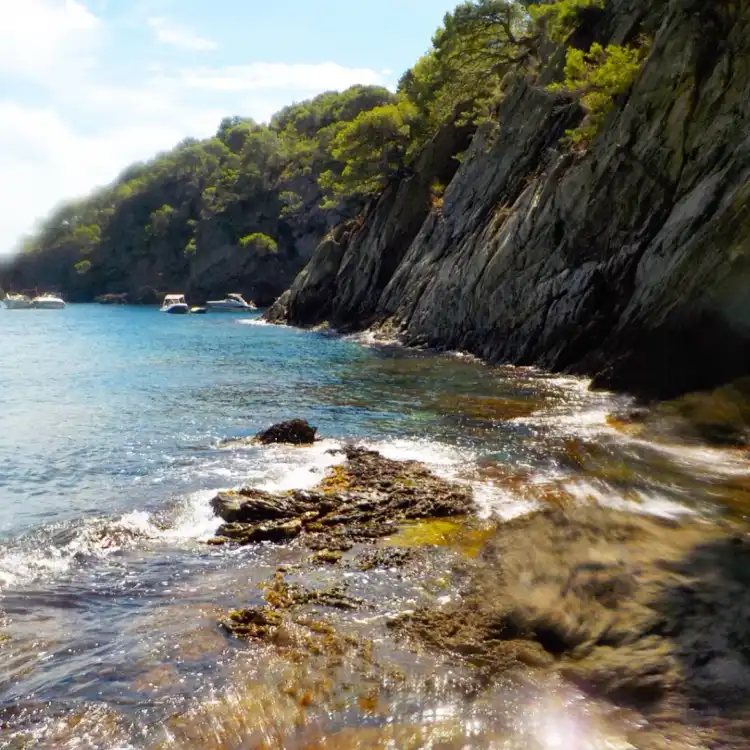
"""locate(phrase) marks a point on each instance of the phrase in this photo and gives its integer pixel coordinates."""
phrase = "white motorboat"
(231, 303)
(17, 302)
(47, 302)
(175, 305)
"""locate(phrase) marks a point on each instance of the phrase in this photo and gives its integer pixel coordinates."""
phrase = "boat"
(47, 302)
(17, 302)
(197, 310)
(231, 303)
(175, 304)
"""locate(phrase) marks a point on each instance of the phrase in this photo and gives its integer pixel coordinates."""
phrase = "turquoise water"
(114, 425)
(99, 404)
(118, 425)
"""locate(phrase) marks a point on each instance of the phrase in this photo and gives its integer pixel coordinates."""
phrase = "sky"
(89, 86)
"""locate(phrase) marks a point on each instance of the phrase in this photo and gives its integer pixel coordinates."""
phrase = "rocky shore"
(646, 615)
(365, 498)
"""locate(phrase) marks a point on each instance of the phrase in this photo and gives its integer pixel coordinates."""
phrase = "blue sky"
(88, 86)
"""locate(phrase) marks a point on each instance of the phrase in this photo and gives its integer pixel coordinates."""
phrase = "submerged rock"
(365, 498)
(254, 622)
(294, 432)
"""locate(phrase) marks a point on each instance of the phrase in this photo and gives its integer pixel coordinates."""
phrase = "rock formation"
(629, 261)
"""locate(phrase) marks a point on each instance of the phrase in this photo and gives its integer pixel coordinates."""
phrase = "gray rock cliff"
(630, 262)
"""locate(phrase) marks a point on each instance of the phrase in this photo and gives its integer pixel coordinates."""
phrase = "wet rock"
(329, 543)
(112, 299)
(254, 506)
(254, 622)
(364, 499)
(294, 432)
(278, 532)
(648, 613)
(330, 557)
(383, 558)
(147, 296)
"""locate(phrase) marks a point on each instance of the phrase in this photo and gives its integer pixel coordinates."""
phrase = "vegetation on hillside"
(253, 189)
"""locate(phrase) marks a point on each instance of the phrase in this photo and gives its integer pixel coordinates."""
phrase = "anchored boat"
(17, 302)
(175, 304)
(231, 303)
(47, 302)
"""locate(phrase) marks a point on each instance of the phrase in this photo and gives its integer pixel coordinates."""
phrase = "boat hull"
(225, 307)
(17, 304)
(48, 304)
(176, 310)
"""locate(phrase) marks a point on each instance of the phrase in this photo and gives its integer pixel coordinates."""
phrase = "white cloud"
(39, 38)
(308, 77)
(179, 36)
(89, 125)
(45, 160)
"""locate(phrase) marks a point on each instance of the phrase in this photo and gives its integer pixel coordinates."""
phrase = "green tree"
(160, 221)
(372, 149)
(478, 43)
(558, 19)
(83, 267)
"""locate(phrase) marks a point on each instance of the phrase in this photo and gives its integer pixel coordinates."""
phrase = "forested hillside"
(245, 209)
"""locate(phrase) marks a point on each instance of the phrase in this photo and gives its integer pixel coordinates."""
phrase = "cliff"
(630, 261)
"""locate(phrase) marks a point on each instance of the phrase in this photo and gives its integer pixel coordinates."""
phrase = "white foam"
(444, 460)
(253, 322)
(287, 467)
(640, 501)
(702, 458)
(493, 501)
(457, 465)
(371, 339)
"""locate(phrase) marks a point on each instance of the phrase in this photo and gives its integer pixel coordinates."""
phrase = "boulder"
(293, 432)
(255, 506)
(273, 531)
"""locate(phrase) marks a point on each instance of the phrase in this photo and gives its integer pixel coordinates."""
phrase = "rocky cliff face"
(631, 261)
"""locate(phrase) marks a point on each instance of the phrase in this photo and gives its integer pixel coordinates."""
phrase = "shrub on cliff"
(596, 77)
(262, 243)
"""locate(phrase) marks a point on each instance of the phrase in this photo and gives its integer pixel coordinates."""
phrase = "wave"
(374, 339)
(55, 550)
(58, 549)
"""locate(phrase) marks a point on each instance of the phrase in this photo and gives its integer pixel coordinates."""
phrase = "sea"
(119, 424)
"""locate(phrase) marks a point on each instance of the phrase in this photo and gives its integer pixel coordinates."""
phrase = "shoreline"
(582, 629)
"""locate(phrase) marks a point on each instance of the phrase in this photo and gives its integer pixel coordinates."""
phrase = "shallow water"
(113, 430)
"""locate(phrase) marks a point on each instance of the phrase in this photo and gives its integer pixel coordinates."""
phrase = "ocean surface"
(119, 424)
